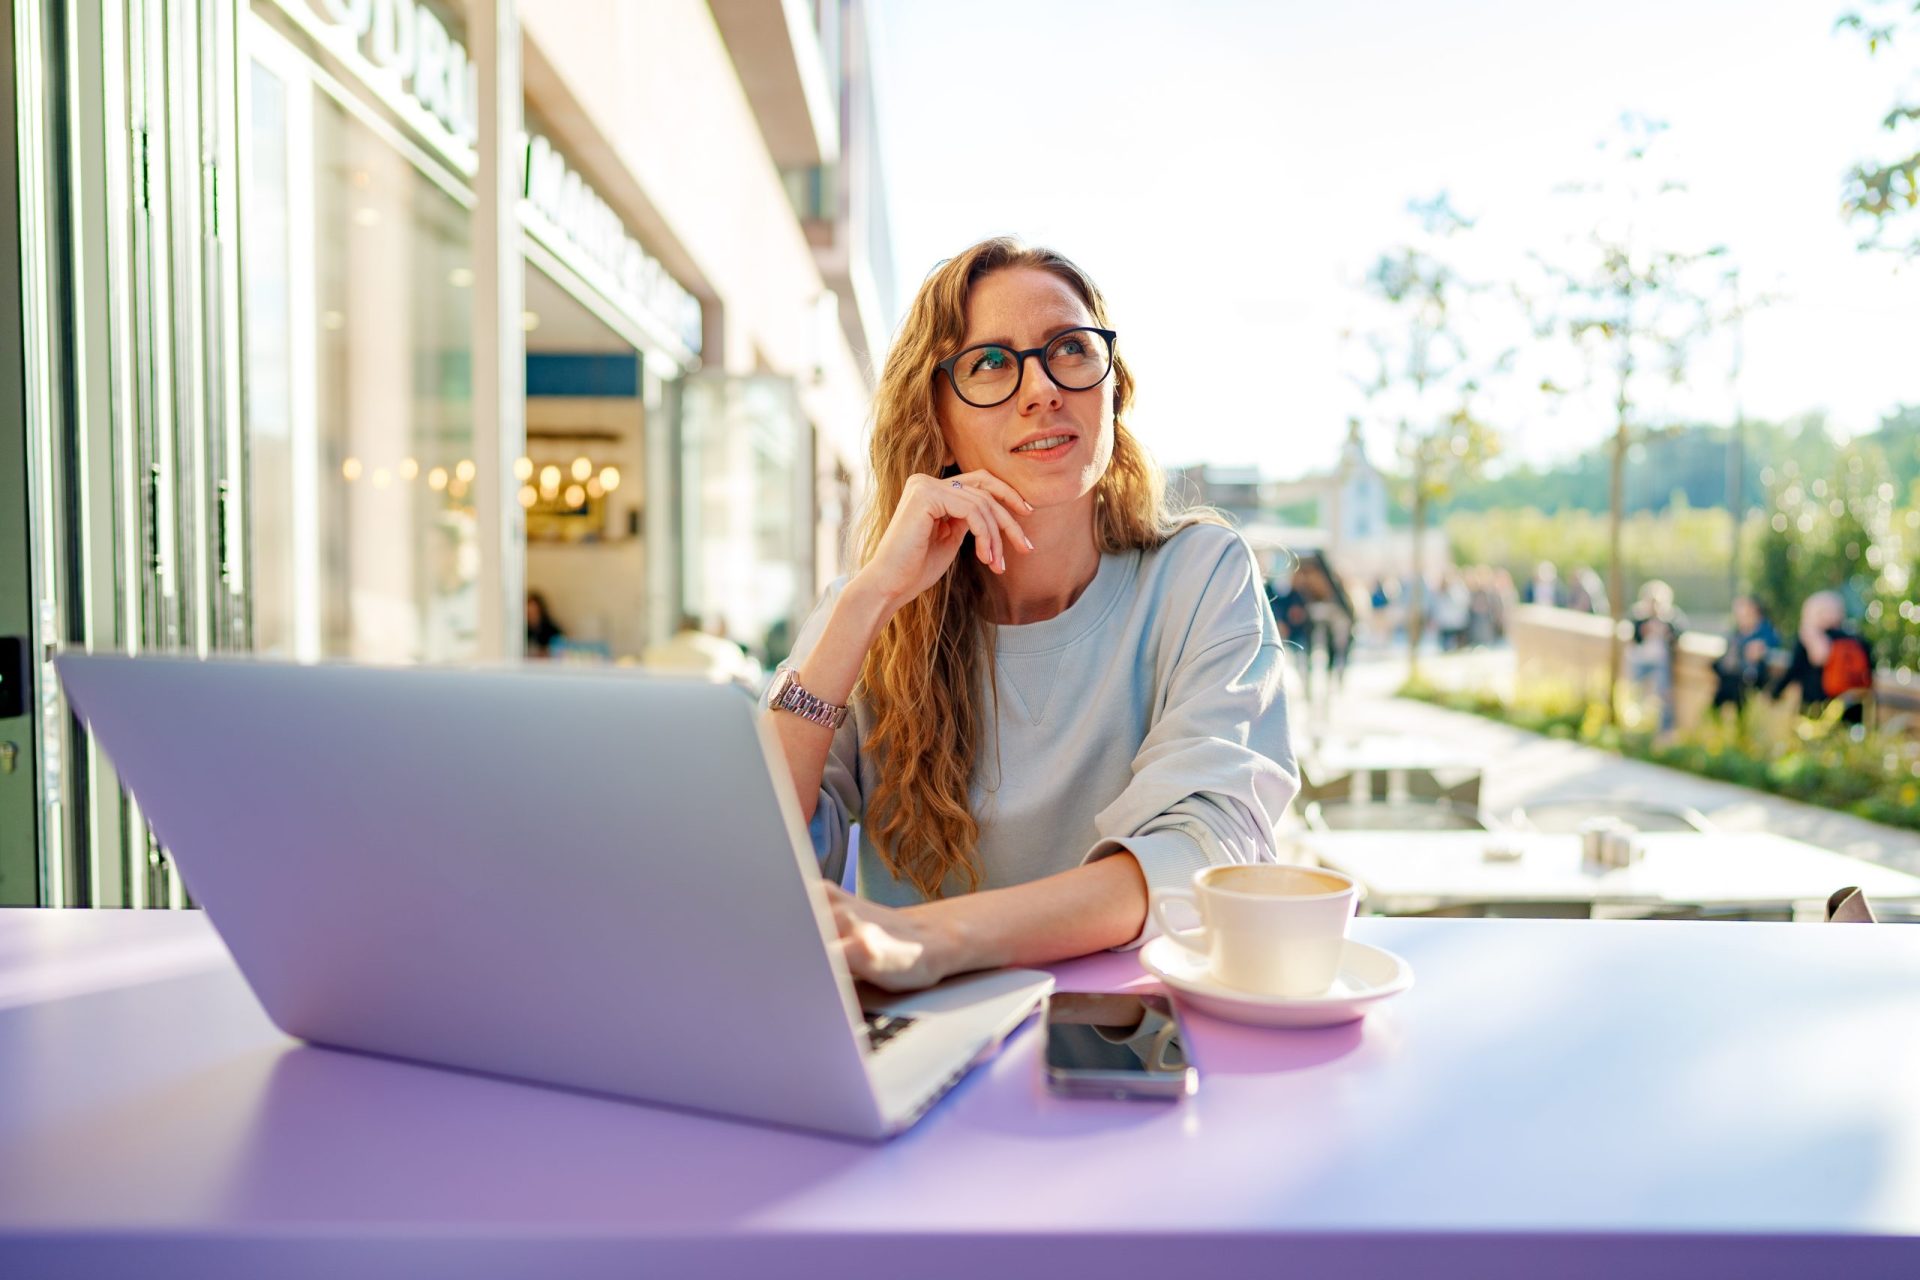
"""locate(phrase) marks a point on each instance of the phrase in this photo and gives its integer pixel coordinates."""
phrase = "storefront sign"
(596, 243)
(404, 51)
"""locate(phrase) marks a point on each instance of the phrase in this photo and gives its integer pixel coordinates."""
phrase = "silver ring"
(958, 485)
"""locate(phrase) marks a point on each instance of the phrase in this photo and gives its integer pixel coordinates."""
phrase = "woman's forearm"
(1090, 908)
(830, 670)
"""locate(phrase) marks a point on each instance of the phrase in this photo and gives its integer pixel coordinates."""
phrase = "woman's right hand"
(934, 517)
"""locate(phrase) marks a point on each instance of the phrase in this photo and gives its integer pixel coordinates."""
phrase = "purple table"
(1565, 1098)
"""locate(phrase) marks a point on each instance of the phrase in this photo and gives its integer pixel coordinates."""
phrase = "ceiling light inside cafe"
(610, 478)
(582, 468)
(575, 495)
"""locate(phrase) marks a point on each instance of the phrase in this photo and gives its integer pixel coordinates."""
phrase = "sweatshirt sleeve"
(1216, 770)
(840, 800)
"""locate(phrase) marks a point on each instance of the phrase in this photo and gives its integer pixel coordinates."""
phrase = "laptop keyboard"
(883, 1027)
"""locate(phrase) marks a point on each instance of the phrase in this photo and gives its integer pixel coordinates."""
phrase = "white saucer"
(1367, 976)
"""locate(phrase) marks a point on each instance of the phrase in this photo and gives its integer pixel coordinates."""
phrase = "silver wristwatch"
(787, 695)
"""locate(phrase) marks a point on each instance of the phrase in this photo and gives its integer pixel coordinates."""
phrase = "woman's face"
(1022, 308)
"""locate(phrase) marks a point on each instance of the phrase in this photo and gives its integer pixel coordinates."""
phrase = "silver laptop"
(588, 879)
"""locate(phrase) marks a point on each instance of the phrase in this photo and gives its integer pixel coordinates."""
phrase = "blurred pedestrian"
(1750, 644)
(1657, 626)
(1504, 599)
(1546, 587)
(1587, 592)
(1381, 619)
(1452, 612)
(1289, 610)
(1830, 659)
(1481, 606)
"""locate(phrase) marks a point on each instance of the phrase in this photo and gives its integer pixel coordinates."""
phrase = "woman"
(1830, 659)
(1043, 691)
(542, 631)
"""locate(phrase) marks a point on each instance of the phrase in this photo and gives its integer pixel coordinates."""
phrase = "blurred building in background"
(337, 327)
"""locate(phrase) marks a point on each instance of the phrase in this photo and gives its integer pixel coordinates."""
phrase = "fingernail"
(1028, 541)
(1029, 504)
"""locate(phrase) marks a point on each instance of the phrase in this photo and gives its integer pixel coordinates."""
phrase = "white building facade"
(338, 326)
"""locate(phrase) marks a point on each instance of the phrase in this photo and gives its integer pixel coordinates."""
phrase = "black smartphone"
(1116, 1046)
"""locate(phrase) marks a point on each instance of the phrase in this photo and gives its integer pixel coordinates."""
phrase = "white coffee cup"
(1271, 929)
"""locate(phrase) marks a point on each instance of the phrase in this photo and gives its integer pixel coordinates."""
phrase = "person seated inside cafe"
(543, 633)
(1045, 689)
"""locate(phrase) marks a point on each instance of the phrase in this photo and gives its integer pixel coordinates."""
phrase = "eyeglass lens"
(1076, 360)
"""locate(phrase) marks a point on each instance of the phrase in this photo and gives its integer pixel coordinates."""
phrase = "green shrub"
(1766, 748)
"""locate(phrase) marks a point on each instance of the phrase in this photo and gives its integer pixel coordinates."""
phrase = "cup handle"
(1194, 940)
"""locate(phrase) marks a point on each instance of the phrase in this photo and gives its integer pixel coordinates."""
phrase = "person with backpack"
(1830, 659)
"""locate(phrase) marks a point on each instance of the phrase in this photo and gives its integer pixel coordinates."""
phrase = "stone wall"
(1563, 647)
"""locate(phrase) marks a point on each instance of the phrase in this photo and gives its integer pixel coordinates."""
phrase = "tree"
(1420, 373)
(1885, 191)
(1835, 529)
(1631, 305)
(1775, 577)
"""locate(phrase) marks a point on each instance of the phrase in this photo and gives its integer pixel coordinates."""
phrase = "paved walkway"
(1523, 768)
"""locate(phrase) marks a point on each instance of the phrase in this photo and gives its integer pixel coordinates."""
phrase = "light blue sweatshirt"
(1148, 717)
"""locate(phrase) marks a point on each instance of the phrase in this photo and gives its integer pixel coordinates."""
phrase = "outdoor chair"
(1729, 911)
(1844, 906)
(1850, 906)
(1571, 814)
(1316, 784)
(1455, 786)
(1437, 815)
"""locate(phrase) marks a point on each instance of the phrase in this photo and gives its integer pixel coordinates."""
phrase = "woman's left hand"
(892, 949)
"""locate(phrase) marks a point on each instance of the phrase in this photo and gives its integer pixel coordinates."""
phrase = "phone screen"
(1123, 1045)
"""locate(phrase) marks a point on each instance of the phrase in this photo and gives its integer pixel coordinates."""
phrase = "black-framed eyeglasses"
(990, 374)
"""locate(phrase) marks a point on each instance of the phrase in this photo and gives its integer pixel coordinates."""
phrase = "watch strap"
(790, 695)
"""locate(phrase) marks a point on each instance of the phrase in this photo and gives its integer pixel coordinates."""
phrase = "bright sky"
(1235, 167)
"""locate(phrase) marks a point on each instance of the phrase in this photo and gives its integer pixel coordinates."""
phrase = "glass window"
(747, 549)
(359, 277)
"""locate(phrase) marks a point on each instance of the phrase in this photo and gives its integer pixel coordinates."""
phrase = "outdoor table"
(1563, 1098)
(1378, 766)
(1423, 870)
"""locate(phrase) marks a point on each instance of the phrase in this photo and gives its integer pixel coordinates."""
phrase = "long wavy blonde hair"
(924, 679)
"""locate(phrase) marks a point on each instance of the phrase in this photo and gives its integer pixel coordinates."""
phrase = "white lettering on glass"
(421, 59)
(597, 235)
